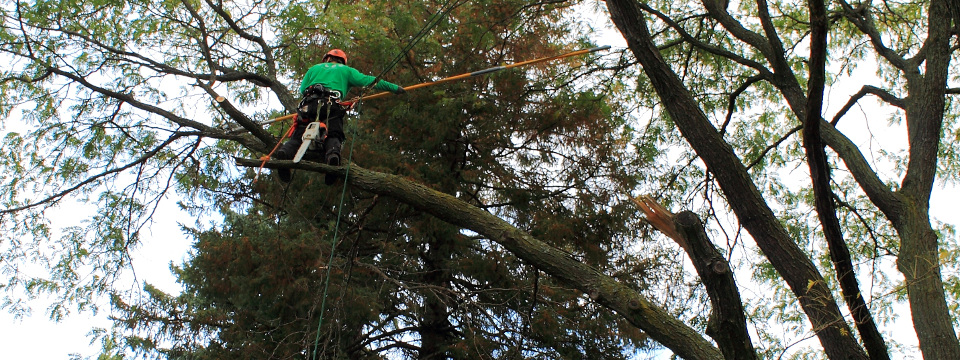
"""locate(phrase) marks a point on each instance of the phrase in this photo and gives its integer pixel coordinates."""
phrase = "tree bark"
(823, 194)
(919, 259)
(908, 209)
(728, 324)
(791, 263)
(435, 327)
(605, 290)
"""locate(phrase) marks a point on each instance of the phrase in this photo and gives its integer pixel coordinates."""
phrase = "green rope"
(336, 229)
(333, 246)
(433, 21)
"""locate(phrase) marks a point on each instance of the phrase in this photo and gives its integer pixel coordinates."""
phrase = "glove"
(400, 91)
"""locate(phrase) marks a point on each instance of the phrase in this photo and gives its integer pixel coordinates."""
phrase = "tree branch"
(867, 89)
(712, 49)
(605, 290)
(861, 18)
(732, 100)
(768, 28)
(735, 28)
(240, 118)
(127, 98)
(774, 146)
(746, 201)
(727, 324)
(146, 156)
(823, 194)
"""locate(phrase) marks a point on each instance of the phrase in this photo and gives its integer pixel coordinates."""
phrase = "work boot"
(332, 147)
(286, 152)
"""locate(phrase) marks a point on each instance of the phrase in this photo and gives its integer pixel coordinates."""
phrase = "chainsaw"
(313, 138)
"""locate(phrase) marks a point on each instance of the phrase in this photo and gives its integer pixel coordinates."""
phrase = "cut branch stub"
(660, 218)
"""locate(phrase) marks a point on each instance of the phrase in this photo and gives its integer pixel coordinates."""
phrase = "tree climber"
(322, 86)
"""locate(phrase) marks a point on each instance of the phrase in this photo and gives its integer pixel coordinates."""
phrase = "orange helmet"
(337, 53)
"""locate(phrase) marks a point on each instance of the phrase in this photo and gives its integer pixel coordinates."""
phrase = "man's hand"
(400, 91)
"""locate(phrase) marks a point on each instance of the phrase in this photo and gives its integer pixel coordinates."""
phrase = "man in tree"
(322, 86)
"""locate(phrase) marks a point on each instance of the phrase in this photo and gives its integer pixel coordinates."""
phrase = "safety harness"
(316, 98)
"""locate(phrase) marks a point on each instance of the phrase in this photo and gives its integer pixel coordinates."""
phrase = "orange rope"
(266, 157)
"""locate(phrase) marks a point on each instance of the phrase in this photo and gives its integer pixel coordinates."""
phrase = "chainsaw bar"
(316, 131)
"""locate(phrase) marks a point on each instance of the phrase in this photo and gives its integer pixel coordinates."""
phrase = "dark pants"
(332, 115)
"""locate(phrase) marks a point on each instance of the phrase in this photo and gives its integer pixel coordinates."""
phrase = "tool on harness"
(316, 131)
(315, 98)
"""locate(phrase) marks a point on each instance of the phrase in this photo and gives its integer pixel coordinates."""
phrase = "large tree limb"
(823, 194)
(773, 38)
(772, 50)
(745, 199)
(919, 258)
(605, 290)
(727, 324)
(735, 28)
(240, 118)
(925, 116)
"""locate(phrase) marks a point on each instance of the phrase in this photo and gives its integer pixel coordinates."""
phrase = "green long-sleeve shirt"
(340, 77)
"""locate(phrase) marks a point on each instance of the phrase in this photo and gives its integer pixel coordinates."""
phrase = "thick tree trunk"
(791, 263)
(605, 290)
(920, 264)
(919, 259)
(908, 209)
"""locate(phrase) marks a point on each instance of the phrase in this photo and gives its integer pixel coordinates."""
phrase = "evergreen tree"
(402, 282)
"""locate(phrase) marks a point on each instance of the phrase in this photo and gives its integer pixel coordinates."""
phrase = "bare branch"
(732, 100)
(861, 18)
(774, 146)
(265, 49)
(713, 49)
(867, 89)
(24, 78)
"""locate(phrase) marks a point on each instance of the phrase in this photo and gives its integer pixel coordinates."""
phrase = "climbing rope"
(433, 21)
(265, 158)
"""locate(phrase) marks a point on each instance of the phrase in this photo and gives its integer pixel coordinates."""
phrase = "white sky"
(37, 337)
